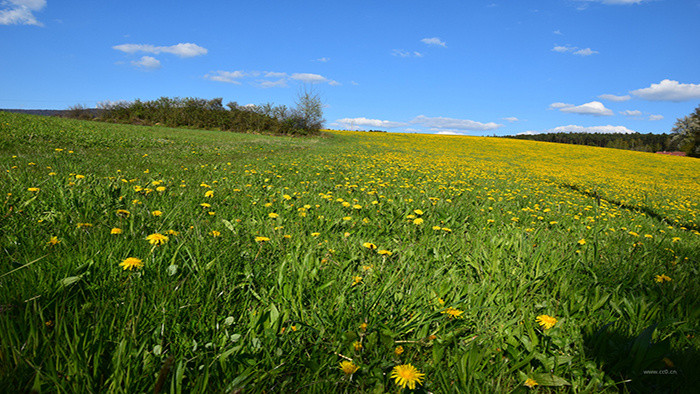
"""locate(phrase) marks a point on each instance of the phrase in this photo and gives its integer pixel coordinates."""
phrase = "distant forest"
(635, 141)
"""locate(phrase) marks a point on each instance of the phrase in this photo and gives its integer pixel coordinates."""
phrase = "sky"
(449, 67)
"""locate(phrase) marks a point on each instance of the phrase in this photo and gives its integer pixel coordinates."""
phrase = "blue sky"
(460, 67)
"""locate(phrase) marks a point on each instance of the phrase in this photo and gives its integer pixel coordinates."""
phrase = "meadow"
(154, 259)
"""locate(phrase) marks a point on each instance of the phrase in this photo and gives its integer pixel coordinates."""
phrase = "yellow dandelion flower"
(215, 233)
(357, 346)
(261, 239)
(369, 245)
(356, 280)
(123, 213)
(347, 218)
(160, 189)
(406, 375)
(53, 241)
(675, 239)
(357, 206)
(546, 322)
(315, 234)
(437, 228)
(273, 215)
(384, 252)
(80, 177)
(116, 231)
(582, 241)
(209, 194)
(173, 232)
(398, 351)
(156, 213)
(531, 383)
(418, 221)
(131, 263)
(348, 367)
(33, 189)
(205, 205)
(157, 239)
(83, 225)
(453, 312)
(418, 212)
(662, 278)
(363, 327)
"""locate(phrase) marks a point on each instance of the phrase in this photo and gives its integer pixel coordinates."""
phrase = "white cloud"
(323, 59)
(147, 62)
(434, 41)
(612, 97)
(575, 50)
(585, 52)
(595, 108)
(557, 32)
(668, 90)
(449, 132)
(182, 49)
(656, 117)
(511, 119)
(631, 112)
(21, 12)
(592, 129)
(226, 76)
(268, 79)
(403, 53)
(358, 123)
(529, 132)
(440, 123)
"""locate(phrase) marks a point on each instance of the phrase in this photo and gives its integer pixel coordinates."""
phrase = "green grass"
(223, 313)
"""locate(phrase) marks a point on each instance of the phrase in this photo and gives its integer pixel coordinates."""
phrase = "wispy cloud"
(669, 90)
(575, 50)
(608, 129)
(268, 79)
(147, 62)
(323, 59)
(403, 53)
(182, 49)
(631, 112)
(595, 108)
(434, 41)
(511, 119)
(656, 117)
(612, 97)
(21, 12)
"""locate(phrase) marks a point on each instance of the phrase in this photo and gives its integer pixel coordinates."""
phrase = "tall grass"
(287, 256)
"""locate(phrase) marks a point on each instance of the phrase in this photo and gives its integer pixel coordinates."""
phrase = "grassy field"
(147, 259)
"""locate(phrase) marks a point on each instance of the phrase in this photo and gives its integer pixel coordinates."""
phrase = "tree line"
(305, 119)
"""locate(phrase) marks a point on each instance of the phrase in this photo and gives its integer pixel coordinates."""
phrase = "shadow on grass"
(640, 365)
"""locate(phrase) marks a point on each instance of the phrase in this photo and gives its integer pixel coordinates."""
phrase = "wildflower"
(205, 205)
(357, 206)
(398, 351)
(582, 241)
(369, 245)
(261, 239)
(53, 241)
(437, 228)
(418, 212)
(452, 312)
(546, 322)
(123, 213)
(157, 239)
(363, 327)
(356, 280)
(209, 194)
(273, 215)
(116, 231)
(384, 252)
(675, 239)
(83, 225)
(348, 367)
(215, 233)
(33, 189)
(357, 346)
(131, 263)
(662, 278)
(406, 375)
(160, 189)
(173, 232)
(315, 234)
(418, 221)
(156, 213)
(79, 176)
(211, 213)
(347, 218)
(531, 383)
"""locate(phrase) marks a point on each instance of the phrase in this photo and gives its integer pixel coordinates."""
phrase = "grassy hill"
(155, 259)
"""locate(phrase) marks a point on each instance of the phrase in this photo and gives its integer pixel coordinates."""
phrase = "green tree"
(309, 109)
(686, 134)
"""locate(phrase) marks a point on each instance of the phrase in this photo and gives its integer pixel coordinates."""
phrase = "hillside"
(163, 259)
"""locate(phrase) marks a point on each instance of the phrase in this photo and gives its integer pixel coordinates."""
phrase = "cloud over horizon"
(608, 129)
(440, 124)
(595, 108)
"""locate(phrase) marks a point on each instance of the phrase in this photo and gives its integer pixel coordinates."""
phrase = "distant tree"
(309, 109)
(686, 134)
